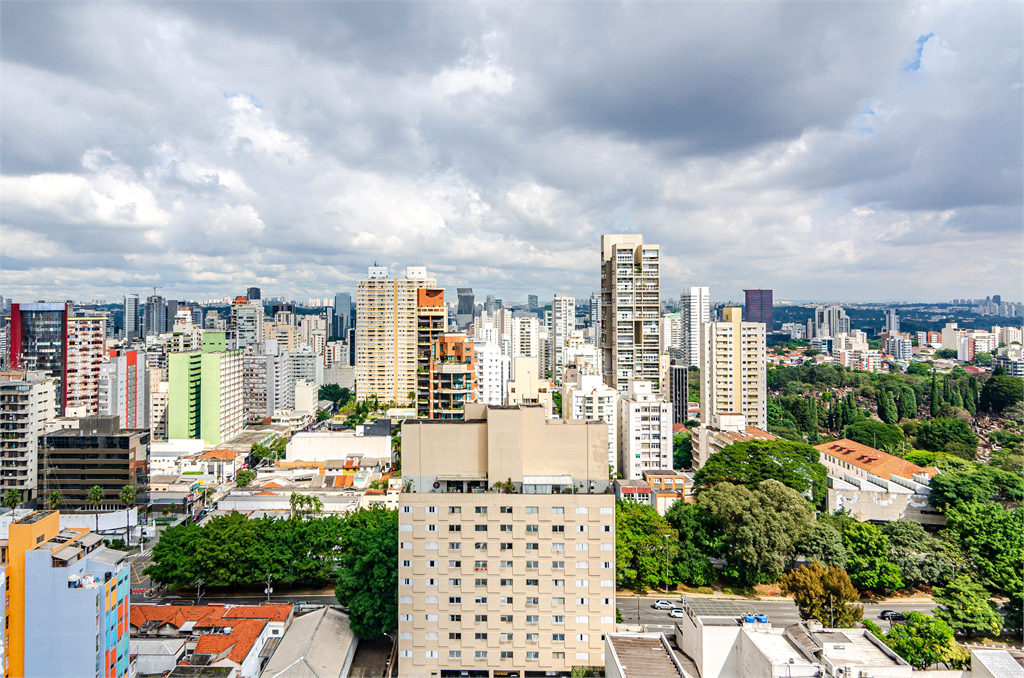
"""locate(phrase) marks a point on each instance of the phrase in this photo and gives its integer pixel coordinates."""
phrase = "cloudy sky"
(846, 151)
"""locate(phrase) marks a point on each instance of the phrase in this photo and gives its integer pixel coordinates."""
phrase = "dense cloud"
(825, 150)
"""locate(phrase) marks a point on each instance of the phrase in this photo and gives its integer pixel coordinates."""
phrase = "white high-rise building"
(268, 385)
(124, 388)
(27, 401)
(733, 370)
(830, 321)
(86, 342)
(630, 310)
(386, 334)
(247, 321)
(694, 311)
(591, 400)
(493, 372)
(526, 337)
(563, 323)
(672, 334)
(644, 431)
(899, 348)
(892, 320)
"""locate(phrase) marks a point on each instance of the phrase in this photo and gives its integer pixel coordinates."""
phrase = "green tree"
(56, 500)
(887, 408)
(640, 543)
(919, 369)
(793, 464)
(876, 434)
(935, 402)
(983, 358)
(975, 483)
(991, 538)
(690, 561)
(556, 403)
(936, 434)
(12, 498)
(965, 606)
(245, 477)
(368, 577)
(922, 641)
(756, 529)
(825, 594)
(127, 497)
(95, 497)
(869, 562)
(823, 543)
(1000, 391)
(1013, 612)
(682, 450)
(917, 554)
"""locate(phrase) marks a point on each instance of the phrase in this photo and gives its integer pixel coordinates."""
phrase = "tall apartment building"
(124, 388)
(595, 315)
(86, 348)
(159, 397)
(386, 334)
(733, 373)
(342, 315)
(38, 340)
(679, 390)
(899, 348)
(527, 386)
(307, 365)
(563, 323)
(526, 337)
(466, 310)
(644, 431)
(27, 401)
(694, 311)
(892, 320)
(268, 385)
(205, 392)
(517, 583)
(431, 323)
(672, 334)
(131, 316)
(253, 293)
(96, 453)
(246, 321)
(493, 372)
(630, 310)
(452, 373)
(830, 321)
(155, 315)
(591, 400)
(759, 307)
(531, 303)
(70, 574)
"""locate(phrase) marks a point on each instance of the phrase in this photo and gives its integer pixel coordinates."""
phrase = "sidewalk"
(780, 598)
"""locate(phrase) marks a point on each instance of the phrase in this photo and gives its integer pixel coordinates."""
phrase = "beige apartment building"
(630, 310)
(386, 337)
(519, 581)
(733, 370)
(86, 336)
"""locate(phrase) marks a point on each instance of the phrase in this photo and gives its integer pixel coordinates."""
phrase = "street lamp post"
(268, 590)
(199, 590)
(666, 564)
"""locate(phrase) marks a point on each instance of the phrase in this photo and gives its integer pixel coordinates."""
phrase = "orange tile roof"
(300, 464)
(679, 428)
(343, 481)
(375, 492)
(751, 432)
(265, 494)
(272, 484)
(173, 614)
(238, 643)
(268, 612)
(880, 463)
(226, 455)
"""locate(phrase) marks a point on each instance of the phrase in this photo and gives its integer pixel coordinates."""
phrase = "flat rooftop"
(856, 650)
(710, 607)
(34, 517)
(778, 649)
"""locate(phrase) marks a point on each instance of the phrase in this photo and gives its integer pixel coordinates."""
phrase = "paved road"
(243, 600)
(780, 612)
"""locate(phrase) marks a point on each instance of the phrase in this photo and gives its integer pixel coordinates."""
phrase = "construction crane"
(157, 287)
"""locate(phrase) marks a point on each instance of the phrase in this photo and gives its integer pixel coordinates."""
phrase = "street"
(779, 612)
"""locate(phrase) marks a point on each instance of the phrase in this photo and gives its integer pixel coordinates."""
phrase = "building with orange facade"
(452, 376)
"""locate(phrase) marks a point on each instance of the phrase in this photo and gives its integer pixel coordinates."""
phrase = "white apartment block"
(27, 401)
(672, 334)
(225, 382)
(527, 387)
(307, 365)
(85, 351)
(493, 372)
(733, 371)
(563, 324)
(591, 400)
(497, 584)
(694, 311)
(247, 321)
(899, 348)
(525, 337)
(1007, 335)
(386, 333)
(124, 388)
(159, 397)
(863, 360)
(630, 310)
(644, 431)
(268, 385)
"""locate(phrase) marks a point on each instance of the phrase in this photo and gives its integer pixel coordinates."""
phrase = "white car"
(663, 605)
(676, 613)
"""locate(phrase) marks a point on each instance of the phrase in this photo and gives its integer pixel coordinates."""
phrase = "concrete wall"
(336, 446)
(110, 521)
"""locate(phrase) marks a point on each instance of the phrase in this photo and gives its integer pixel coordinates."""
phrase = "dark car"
(891, 616)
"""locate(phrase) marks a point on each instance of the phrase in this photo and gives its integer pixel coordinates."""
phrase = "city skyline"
(857, 150)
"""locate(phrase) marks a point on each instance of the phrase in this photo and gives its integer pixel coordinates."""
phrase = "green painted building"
(205, 392)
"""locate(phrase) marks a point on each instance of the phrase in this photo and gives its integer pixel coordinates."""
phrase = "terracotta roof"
(880, 463)
(300, 464)
(173, 614)
(238, 643)
(375, 492)
(343, 481)
(749, 434)
(269, 612)
(226, 455)
(265, 494)
(679, 428)
(272, 484)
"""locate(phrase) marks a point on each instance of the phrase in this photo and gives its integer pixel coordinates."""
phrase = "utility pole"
(199, 590)
(268, 590)
(831, 611)
(666, 564)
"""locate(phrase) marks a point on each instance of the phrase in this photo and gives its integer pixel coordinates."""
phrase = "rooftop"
(866, 458)
(999, 663)
(314, 647)
(33, 518)
(643, 655)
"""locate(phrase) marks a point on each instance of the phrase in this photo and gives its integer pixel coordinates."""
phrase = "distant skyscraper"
(131, 316)
(466, 310)
(630, 310)
(830, 321)
(38, 335)
(155, 316)
(595, 317)
(84, 348)
(563, 322)
(759, 307)
(997, 299)
(342, 318)
(253, 293)
(892, 321)
(124, 388)
(170, 313)
(531, 303)
(694, 310)
(678, 391)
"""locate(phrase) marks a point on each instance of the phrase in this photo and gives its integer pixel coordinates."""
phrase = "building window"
(455, 654)
(454, 582)
(455, 617)
(582, 510)
(406, 563)
(582, 601)
(557, 564)
(405, 654)
(454, 509)
(480, 546)
(506, 546)
(506, 563)
(406, 545)
(480, 600)
(480, 582)
(558, 528)
(506, 618)
(583, 656)
(532, 601)
(454, 636)
(431, 582)
(480, 565)
(532, 528)
(454, 546)
(533, 547)
(531, 509)
(481, 509)
(405, 617)
(532, 619)
(558, 637)
(582, 619)
(480, 528)
(405, 600)
(506, 509)
(431, 509)
(431, 654)
(533, 582)
(506, 528)
(558, 619)
(454, 563)
(581, 528)
(432, 618)
(506, 600)
(454, 600)
(558, 509)
(558, 655)
(406, 581)
(480, 636)
(481, 654)
(406, 509)
(455, 528)
(431, 600)
(431, 528)
(506, 582)
(558, 547)
(506, 654)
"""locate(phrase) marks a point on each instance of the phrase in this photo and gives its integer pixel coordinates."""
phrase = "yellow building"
(733, 370)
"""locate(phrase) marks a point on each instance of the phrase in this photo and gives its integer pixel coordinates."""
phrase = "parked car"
(663, 605)
(676, 613)
(891, 616)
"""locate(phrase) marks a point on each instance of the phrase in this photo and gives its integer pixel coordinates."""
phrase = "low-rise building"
(875, 486)
(724, 430)
(638, 491)
(668, 487)
(1011, 359)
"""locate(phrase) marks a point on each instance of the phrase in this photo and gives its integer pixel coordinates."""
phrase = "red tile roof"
(880, 463)
(237, 644)
(269, 612)
(750, 433)
(226, 455)
(207, 615)
(679, 428)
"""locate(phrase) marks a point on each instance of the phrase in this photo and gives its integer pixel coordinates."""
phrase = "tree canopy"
(936, 435)
(368, 573)
(876, 434)
(975, 483)
(869, 561)
(825, 594)
(793, 464)
(922, 641)
(965, 606)
(991, 538)
(640, 543)
(1001, 391)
